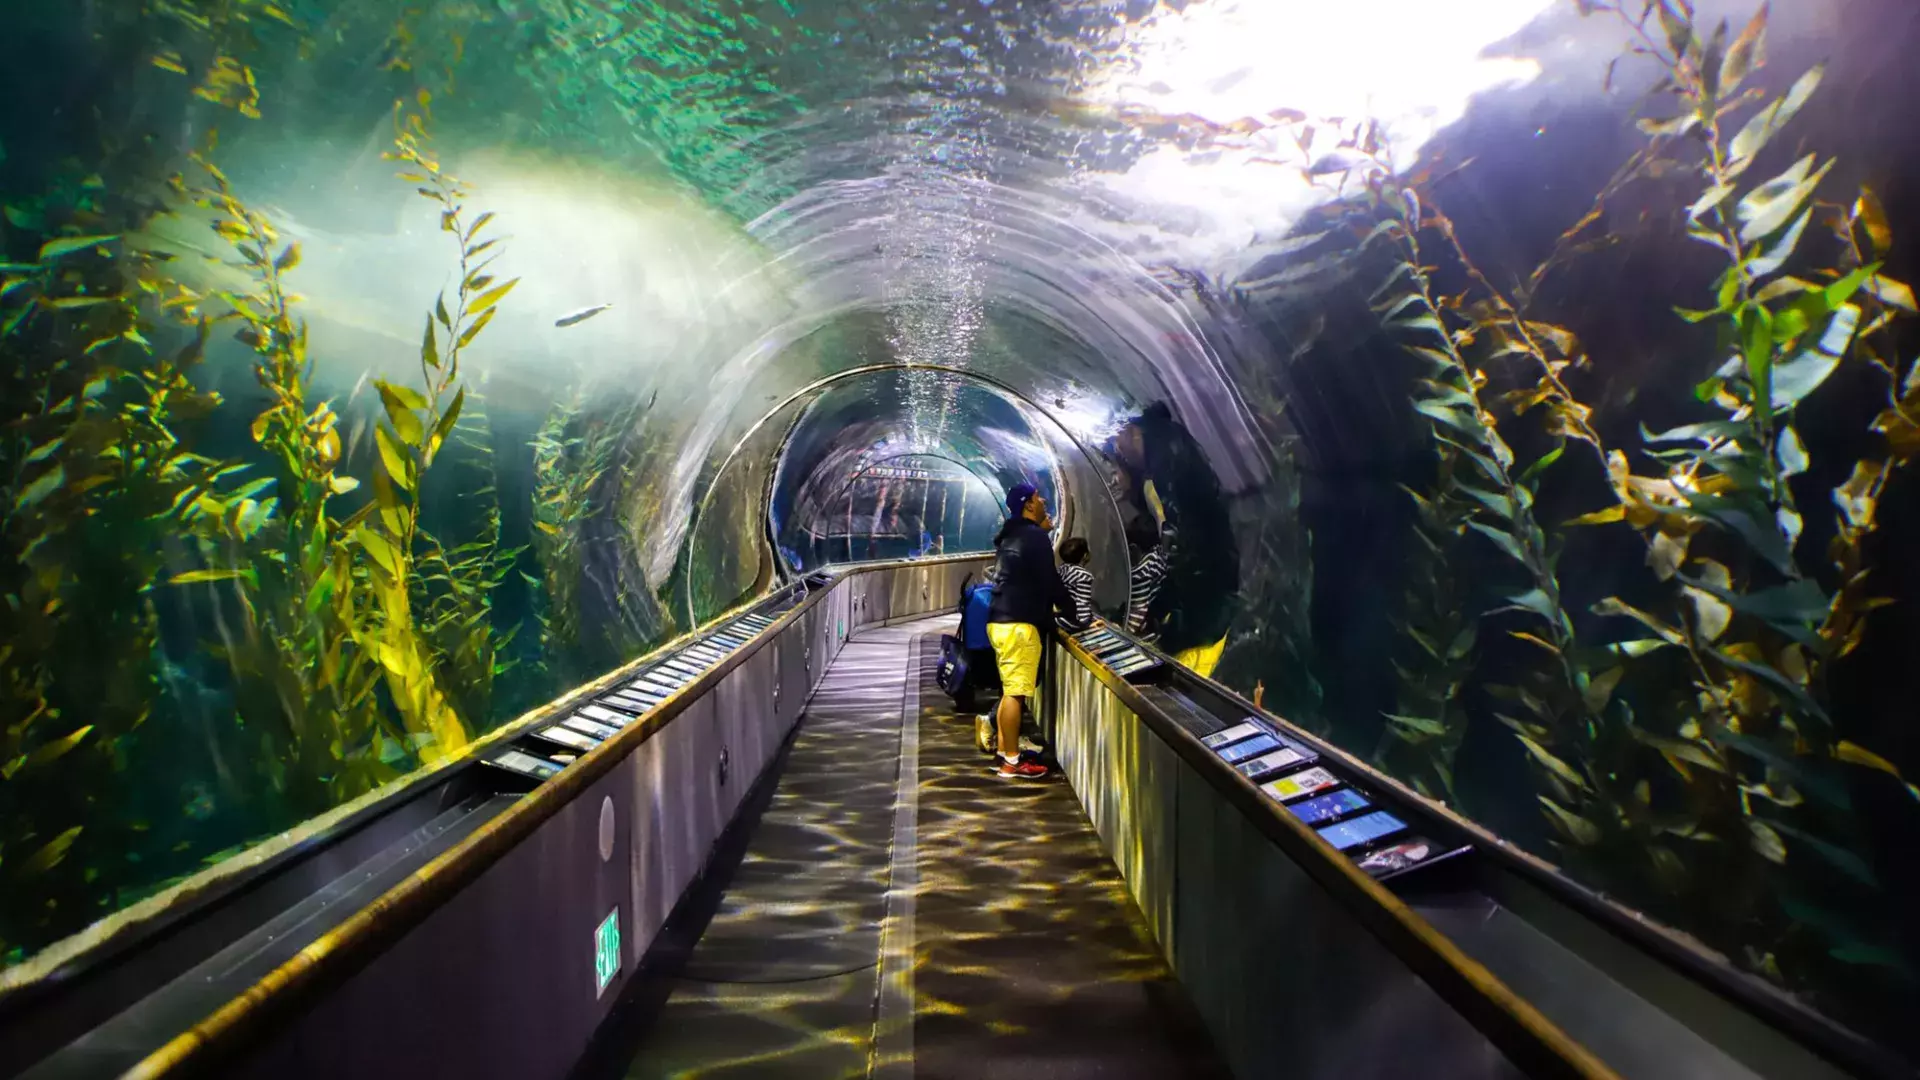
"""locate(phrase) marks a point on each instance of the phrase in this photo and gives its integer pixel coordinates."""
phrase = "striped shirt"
(1142, 586)
(1079, 582)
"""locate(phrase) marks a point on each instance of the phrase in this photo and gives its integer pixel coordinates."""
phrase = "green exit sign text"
(606, 951)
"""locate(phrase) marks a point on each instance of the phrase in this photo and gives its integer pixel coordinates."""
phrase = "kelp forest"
(1686, 724)
(291, 619)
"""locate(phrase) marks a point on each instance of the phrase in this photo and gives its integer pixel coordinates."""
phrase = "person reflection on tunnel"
(1027, 591)
(1166, 480)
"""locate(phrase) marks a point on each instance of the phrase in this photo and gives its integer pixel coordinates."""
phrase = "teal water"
(1366, 313)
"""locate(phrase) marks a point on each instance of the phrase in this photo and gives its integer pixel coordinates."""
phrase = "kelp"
(1691, 798)
(454, 587)
(571, 455)
(1480, 492)
(1723, 519)
(99, 482)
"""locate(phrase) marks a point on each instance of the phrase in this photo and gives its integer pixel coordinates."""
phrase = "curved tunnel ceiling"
(768, 195)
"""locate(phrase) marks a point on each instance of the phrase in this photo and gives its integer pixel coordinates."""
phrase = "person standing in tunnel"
(1170, 482)
(1074, 556)
(1028, 590)
(1147, 556)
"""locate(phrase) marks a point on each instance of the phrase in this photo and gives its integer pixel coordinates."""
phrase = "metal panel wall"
(1289, 984)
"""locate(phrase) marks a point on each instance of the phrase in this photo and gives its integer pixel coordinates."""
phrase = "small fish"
(581, 316)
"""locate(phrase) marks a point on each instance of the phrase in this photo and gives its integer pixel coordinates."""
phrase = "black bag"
(952, 672)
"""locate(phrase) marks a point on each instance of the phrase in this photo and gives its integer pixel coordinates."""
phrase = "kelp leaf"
(1767, 123)
(1635, 649)
(1447, 415)
(1613, 605)
(1768, 208)
(1600, 689)
(58, 748)
(1873, 217)
(1791, 453)
(1499, 504)
(1603, 516)
(1761, 534)
(46, 484)
(1801, 772)
(1776, 255)
(196, 577)
(54, 249)
(50, 855)
(398, 464)
(1893, 293)
(1425, 727)
(1711, 429)
(1842, 290)
(1841, 859)
(400, 411)
(1856, 498)
(1855, 754)
(491, 297)
(1766, 842)
(1747, 52)
(1573, 826)
(1502, 540)
(1801, 374)
(380, 549)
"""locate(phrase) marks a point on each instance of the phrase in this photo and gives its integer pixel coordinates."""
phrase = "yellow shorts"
(1016, 651)
(1201, 659)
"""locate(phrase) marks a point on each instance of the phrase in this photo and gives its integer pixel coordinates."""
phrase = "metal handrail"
(363, 936)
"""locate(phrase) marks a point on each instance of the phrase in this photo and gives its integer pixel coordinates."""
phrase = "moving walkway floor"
(896, 910)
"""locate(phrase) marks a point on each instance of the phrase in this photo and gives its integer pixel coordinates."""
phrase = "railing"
(519, 918)
(1287, 944)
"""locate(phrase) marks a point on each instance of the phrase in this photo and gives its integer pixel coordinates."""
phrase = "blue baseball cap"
(1017, 497)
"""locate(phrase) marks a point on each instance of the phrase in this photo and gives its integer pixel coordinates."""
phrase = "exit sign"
(606, 951)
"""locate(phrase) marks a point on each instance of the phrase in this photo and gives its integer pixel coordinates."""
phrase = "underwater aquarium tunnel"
(487, 487)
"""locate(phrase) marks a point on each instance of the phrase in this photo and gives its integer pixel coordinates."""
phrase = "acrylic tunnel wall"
(1520, 393)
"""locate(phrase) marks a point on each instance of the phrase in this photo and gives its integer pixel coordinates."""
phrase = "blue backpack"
(976, 602)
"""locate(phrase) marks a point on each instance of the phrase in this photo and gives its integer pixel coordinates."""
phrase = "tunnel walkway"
(899, 911)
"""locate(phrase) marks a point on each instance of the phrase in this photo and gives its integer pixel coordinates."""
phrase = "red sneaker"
(1021, 770)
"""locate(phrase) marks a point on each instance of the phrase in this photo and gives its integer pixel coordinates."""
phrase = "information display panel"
(1396, 857)
(1245, 729)
(605, 715)
(1235, 753)
(590, 728)
(1323, 808)
(705, 654)
(682, 667)
(1137, 663)
(1362, 830)
(628, 700)
(1279, 761)
(566, 736)
(1301, 784)
(525, 764)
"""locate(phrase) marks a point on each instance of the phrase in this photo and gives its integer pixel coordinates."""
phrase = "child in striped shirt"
(1079, 581)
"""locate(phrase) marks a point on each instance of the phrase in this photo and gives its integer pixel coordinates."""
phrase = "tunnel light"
(1090, 420)
(1250, 69)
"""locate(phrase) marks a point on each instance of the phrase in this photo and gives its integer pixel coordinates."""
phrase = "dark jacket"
(1028, 581)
